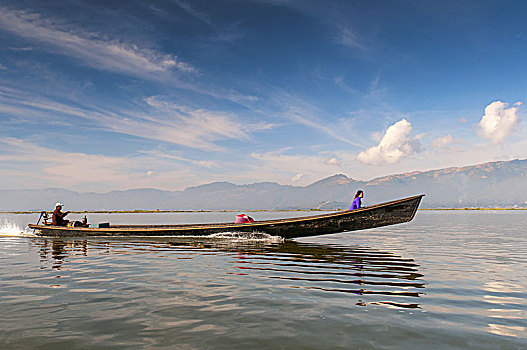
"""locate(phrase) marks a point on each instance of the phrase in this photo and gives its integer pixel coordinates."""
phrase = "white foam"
(8, 229)
(227, 236)
(247, 236)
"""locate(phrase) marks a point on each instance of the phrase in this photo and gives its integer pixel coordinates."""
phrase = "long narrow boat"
(388, 213)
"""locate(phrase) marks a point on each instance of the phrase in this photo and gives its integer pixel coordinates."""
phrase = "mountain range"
(494, 184)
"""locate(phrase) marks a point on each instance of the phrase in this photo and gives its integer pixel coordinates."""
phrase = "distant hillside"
(495, 184)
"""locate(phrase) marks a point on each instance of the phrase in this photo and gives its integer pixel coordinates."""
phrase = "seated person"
(356, 204)
(58, 216)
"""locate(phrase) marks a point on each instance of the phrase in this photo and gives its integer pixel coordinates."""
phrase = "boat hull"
(389, 213)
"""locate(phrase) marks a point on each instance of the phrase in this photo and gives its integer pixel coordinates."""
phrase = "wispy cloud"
(210, 164)
(197, 128)
(24, 48)
(92, 49)
(221, 36)
(349, 38)
(289, 168)
(446, 143)
(49, 167)
(340, 81)
(302, 117)
(189, 9)
(337, 17)
(163, 120)
(26, 164)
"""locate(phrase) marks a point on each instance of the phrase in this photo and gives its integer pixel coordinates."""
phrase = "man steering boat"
(58, 216)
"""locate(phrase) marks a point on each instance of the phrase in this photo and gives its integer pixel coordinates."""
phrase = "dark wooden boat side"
(388, 213)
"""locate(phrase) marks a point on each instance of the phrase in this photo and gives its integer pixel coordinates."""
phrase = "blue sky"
(106, 95)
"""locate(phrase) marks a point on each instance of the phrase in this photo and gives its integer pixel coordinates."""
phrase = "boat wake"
(8, 229)
(247, 236)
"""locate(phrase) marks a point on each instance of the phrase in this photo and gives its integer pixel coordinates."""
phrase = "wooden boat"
(389, 213)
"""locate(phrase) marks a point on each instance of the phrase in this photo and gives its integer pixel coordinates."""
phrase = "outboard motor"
(45, 217)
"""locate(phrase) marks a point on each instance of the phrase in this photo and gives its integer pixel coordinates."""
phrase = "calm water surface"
(447, 280)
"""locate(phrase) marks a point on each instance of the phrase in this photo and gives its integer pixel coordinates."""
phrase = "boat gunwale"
(255, 224)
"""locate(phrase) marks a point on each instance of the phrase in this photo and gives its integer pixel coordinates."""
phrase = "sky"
(113, 95)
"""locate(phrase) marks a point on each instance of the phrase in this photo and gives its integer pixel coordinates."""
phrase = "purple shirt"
(355, 204)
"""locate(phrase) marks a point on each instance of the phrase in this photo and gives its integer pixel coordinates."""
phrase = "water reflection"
(361, 271)
(57, 250)
(356, 270)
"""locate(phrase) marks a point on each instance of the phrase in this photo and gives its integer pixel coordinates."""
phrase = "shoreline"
(157, 211)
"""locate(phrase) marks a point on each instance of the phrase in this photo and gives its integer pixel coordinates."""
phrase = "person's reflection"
(58, 253)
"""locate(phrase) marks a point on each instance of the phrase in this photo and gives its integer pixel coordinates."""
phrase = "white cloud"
(90, 48)
(499, 121)
(442, 142)
(446, 143)
(334, 161)
(394, 145)
(297, 177)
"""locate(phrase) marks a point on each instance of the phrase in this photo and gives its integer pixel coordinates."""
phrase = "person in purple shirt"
(356, 201)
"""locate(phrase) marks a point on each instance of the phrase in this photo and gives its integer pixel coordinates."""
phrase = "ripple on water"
(415, 286)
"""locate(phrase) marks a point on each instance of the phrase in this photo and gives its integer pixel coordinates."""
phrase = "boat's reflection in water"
(371, 275)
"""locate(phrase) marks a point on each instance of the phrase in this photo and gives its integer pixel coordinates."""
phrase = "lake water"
(446, 280)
